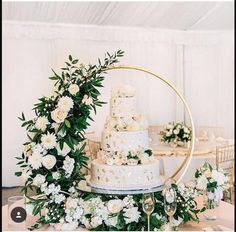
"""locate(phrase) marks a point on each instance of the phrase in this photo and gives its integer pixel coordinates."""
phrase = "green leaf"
(67, 122)
(54, 78)
(70, 58)
(18, 173)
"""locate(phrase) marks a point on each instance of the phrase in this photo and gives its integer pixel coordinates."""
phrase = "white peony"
(35, 160)
(65, 150)
(59, 115)
(115, 206)
(49, 161)
(65, 103)
(39, 180)
(73, 89)
(87, 100)
(41, 123)
(131, 215)
(48, 141)
(201, 183)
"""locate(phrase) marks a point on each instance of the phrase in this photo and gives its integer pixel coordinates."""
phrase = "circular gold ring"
(187, 160)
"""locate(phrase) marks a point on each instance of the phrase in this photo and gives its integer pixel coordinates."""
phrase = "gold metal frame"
(188, 158)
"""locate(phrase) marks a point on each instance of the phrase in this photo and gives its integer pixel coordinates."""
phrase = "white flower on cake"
(49, 161)
(73, 89)
(87, 100)
(144, 157)
(35, 160)
(65, 150)
(39, 180)
(131, 215)
(48, 141)
(201, 183)
(68, 165)
(115, 206)
(41, 123)
(65, 103)
(59, 115)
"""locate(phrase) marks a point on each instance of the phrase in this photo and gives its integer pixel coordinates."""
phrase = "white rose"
(38, 180)
(48, 141)
(111, 221)
(201, 183)
(59, 115)
(65, 150)
(41, 123)
(87, 100)
(73, 89)
(176, 131)
(35, 160)
(115, 206)
(65, 103)
(49, 161)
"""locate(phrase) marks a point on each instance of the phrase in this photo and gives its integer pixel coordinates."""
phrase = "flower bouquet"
(176, 134)
(212, 183)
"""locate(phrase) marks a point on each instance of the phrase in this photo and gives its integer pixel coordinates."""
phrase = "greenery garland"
(54, 155)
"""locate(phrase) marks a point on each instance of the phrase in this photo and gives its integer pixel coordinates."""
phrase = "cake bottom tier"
(125, 177)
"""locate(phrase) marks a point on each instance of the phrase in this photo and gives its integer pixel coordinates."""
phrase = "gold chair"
(225, 161)
(211, 131)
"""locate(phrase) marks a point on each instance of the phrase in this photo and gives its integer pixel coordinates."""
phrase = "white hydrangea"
(219, 177)
(201, 183)
(35, 160)
(38, 148)
(39, 180)
(131, 214)
(56, 175)
(50, 189)
(59, 198)
(65, 103)
(128, 201)
(48, 141)
(41, 123)
(68, 165)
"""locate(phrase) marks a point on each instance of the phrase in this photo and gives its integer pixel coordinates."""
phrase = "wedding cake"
(125, 160)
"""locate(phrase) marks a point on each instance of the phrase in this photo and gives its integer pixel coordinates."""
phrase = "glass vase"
(212, 207)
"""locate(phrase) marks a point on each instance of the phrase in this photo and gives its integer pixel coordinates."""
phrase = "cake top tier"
(123, 91)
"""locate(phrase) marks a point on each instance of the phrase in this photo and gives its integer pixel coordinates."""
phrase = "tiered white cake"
(125, 161)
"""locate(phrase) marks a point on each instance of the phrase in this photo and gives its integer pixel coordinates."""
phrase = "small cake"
(125, 160)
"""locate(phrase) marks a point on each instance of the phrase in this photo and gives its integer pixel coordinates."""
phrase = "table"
(225, 218)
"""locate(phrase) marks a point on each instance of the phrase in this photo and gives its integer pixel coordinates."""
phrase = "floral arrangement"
(211, 182)
(176, 134)
(54, 156)
(126, 158)
(134, 123)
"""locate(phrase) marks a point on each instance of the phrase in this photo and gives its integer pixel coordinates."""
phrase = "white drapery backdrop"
(200, 64)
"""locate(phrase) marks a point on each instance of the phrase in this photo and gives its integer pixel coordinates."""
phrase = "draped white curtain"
(200, 64)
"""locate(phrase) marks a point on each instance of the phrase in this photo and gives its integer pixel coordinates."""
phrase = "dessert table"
(224, 221)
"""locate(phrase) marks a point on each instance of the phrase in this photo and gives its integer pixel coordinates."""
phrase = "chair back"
(154, 134)
(225, 160)
(211, 131)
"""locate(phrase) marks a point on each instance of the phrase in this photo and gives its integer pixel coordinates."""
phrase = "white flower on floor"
(68, 165)
(41, 123)
(201, 183)
(65, 103)
(56, 175)
(59, 115)
(35, 160)
(87, 100)
(39, 180)
(48, 141)
(59, 198)
(73, 89)
(115, 206)
(69, 226)
(65, 150)
(131, 215)
(49, 161)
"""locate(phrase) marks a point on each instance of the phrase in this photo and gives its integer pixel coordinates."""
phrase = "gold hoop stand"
(187, 160)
